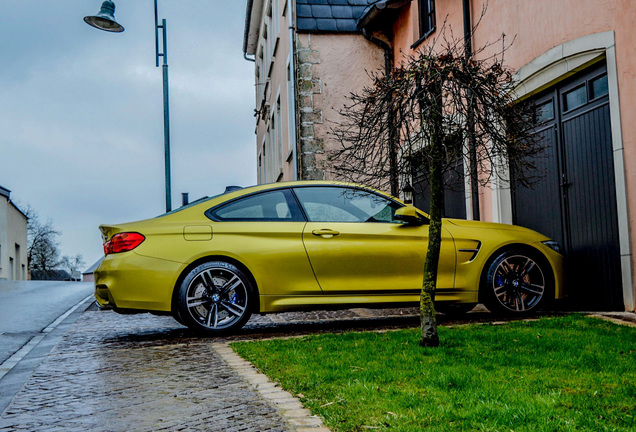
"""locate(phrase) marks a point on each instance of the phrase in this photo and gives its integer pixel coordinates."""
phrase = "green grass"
(567, 373)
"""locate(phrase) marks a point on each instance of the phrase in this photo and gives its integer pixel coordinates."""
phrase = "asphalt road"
(28, 307)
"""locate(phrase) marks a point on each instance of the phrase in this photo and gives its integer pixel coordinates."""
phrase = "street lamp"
(105, 20)
(408, 193)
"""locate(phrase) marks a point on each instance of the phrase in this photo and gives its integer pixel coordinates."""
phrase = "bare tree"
(435, 103)
(42, 246)
(73, 264)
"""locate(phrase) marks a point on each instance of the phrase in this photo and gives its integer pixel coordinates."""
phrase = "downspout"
(292, 87)
(246, 32)
(472, 150)
(388, 67)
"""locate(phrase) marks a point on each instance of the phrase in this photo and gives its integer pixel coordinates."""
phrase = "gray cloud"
(82, 116)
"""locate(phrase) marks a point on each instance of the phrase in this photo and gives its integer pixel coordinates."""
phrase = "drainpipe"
(472, 151)
(388, 67)
(292, 88)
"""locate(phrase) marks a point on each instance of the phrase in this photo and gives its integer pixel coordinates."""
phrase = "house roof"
(330, 15)
(315, 16)
(5, 192)
(92, 268)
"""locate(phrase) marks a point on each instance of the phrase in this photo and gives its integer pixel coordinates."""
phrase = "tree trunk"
(436, 160)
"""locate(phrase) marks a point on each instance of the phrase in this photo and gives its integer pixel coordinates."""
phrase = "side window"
(427, 17)
(339, 204)
(269, 206)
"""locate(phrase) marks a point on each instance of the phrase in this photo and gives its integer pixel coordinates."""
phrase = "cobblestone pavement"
(115, 372)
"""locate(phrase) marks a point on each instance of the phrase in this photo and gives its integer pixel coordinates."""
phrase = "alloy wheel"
(217, 298)
(518, 282)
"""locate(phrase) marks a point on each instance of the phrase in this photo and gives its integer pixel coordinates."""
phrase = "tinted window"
(268, 206)
(336, 204)
(575, 98)
(545, 112)
(598, 87)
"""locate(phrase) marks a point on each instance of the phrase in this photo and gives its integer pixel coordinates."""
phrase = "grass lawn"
(568, 373)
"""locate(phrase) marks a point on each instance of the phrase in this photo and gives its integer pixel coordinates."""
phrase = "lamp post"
(105, 20)
(408, 193)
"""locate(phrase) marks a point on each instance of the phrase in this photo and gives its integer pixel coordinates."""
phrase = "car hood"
(487, 225)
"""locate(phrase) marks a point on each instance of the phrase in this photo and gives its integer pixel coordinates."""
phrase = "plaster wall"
(538, 26)
(4, 257)
(340, 65)
(13, 231)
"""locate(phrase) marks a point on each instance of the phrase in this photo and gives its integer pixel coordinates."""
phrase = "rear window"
(268, 206)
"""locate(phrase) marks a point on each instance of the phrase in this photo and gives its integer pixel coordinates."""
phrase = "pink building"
(574, 59)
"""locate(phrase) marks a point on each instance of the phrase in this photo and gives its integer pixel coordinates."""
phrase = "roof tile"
(306, 24)
(342, 12)
(326, 25)
(330, 15)
(321, 11)
(346, 25)
(303, 10)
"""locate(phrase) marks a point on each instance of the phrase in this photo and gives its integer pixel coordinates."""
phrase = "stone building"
(573, 58)
(301, 85)
(13, 239)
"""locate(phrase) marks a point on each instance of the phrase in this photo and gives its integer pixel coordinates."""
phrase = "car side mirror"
(409, 215)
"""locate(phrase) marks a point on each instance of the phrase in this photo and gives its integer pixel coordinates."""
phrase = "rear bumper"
(131, 281)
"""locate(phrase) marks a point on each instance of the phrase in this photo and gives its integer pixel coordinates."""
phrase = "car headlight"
(553, 245)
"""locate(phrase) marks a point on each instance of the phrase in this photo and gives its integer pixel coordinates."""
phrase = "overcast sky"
(81, 111)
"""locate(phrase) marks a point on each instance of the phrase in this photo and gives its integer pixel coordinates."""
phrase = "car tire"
(215, 297)
(517, 282)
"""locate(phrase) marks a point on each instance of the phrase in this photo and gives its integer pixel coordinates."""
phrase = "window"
(574, 98)
(276, 17)
(545, 112)
(264, 172)
(598, 87)
(291, 131)
(279, 143)
(427, 17)
(268, 206)
(337, 204)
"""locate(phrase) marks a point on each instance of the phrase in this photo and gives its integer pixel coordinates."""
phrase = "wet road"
(27, 307)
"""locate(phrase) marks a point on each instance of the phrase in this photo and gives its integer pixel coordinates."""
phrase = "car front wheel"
(516, 282)
(215, 297)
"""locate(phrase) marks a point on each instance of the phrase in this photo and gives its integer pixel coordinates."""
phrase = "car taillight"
(123, 242)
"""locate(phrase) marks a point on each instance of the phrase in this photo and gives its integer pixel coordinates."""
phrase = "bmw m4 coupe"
(314, 245)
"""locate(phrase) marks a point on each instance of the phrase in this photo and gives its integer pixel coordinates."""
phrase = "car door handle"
(325, 233)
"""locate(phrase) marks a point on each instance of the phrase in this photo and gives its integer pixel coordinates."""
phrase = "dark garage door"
(575, 203)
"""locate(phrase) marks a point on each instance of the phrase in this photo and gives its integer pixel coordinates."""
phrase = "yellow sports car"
(314, 245)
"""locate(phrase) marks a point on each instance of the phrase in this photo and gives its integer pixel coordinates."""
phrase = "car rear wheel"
(215, 297)
(517, 282)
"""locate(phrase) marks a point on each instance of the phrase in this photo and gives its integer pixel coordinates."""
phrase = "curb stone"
(620, 318)
(287, 405)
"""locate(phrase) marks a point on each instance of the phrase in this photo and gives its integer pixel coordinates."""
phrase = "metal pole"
(166, 120)
(166, 104)
(472, 144)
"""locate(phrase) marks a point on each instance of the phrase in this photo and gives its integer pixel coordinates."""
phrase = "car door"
(355, 245)
(263, 231)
